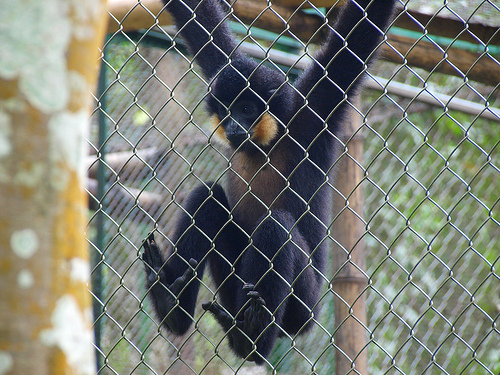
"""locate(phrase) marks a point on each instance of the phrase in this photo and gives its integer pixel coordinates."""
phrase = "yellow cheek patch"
(218, 131)
(265, 130)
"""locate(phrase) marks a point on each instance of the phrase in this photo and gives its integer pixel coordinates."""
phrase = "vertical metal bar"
(100, 240)
(349, 283)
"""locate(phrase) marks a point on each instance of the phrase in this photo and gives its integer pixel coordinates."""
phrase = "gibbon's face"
(245, 119)
(240, 109)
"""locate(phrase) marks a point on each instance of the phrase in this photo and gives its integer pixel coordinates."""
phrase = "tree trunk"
(47, 71)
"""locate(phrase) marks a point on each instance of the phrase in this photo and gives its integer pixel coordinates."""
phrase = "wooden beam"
(131, 15)
(150, 202)
(448, 28)
(477, 67)
(129, 160)
(281, 20)
(311, 28)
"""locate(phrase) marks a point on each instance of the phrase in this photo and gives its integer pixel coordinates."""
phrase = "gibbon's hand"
(164, 295)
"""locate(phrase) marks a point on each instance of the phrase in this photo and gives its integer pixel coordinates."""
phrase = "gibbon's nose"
(235, 133)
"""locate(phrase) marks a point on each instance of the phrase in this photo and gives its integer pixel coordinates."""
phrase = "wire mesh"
(431, 212)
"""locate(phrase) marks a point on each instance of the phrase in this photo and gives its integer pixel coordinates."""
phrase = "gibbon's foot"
(243, 333)
(165, 296)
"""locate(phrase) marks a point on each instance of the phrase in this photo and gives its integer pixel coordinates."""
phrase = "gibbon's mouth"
(236, 134)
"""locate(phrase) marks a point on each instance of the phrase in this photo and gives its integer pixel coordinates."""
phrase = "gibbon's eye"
(247, 109)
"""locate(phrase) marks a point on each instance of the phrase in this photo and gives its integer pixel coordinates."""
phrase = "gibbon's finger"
(247, 287)
(193, 263)
(256, 297)
(224, 319)
(151, 237)
(207, 306)
(179, 283)
(155, 254)
(146, 254)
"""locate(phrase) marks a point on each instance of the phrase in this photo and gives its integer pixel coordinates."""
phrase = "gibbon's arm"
(206, 32)
(356, 34)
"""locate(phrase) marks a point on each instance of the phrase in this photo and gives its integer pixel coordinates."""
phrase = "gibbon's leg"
(270, 268)
(173, 287)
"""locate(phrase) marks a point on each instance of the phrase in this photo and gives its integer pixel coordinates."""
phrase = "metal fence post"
(98, 254)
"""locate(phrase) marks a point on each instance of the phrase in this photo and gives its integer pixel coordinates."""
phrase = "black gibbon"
(263, 235)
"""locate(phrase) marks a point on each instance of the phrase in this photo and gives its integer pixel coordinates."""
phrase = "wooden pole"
(47, 71)
(348, 281)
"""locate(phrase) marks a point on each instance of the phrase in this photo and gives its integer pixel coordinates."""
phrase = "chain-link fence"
(429, 177)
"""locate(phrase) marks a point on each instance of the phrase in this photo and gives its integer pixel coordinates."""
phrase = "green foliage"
(433, 240)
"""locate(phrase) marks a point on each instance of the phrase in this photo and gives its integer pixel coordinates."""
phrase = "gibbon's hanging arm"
(263, 235)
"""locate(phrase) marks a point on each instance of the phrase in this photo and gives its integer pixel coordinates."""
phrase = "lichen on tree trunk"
(48, 68)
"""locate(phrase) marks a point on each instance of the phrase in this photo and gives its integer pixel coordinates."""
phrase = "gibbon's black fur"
(263, 235)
